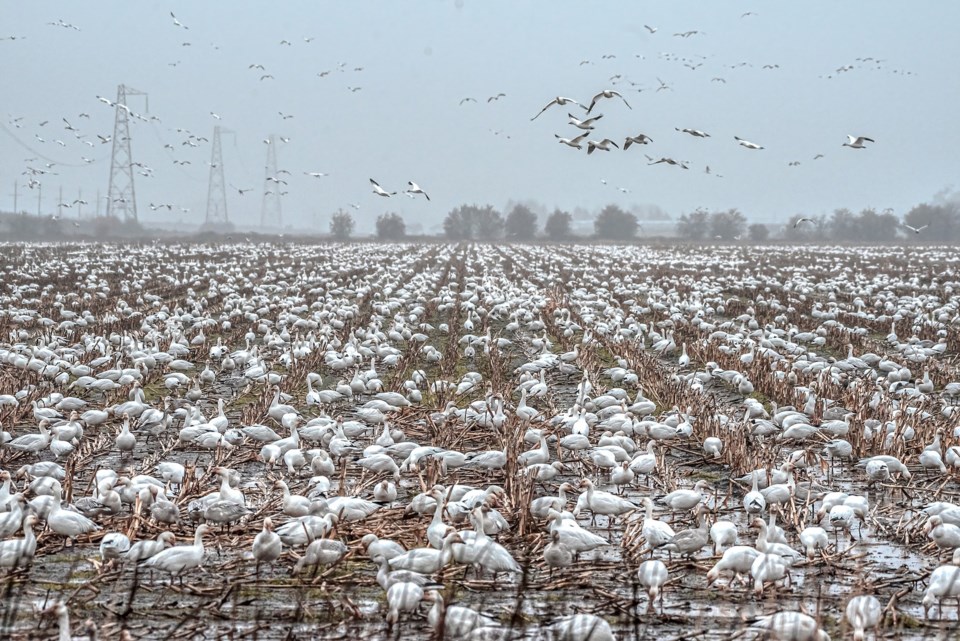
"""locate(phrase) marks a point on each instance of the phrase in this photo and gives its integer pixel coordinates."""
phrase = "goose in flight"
(586, 124)
(803, 220)
(559, 100)
(607, 93)
(497, 97)
(640, 139)
(315, 174)
(650, 29)
(747, 143)
(669, 161)
(177, 22)
(414, 189)
(380, 191)
(856, 142)
(693, 132)
(916, 230)
(603, 145)
(572, 142)
(468, 99)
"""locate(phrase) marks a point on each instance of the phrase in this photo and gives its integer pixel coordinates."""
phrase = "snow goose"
(320, 553)
(402, 596)
(945, 535)
(560, 101)
(639, 139)
(143, 550)
(427, 560)
(607, 93)
(586, 124)
(723, 533)
(943, 582)
(738, 559)
(747, 143)
(655, 533)
(556, 554)
(415, 189)
(856, 142)
(267, 546)
(790, 626)
(813, 538)
(456, 620)
(377, 547)
(862, 612)
(652, 574)
(768, 568)
(599, 502)
(685, 499)
(582, 627)
(69, 524)
(689, 542)
(181, 558)
(380, 191)
(602, 145)
(572, 536)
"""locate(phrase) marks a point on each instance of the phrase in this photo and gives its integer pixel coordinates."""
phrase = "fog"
(377, 91)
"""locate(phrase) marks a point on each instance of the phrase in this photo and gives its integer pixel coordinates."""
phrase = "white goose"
(380, 191)
(856, 142)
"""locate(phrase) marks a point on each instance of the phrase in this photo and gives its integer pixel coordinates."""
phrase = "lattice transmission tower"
(217, 189)
(270, 215)
(121, 197)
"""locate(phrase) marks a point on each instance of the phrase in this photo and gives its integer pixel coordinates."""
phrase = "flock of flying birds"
(585, 123)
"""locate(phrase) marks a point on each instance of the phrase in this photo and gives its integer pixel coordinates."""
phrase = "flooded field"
(329, 389)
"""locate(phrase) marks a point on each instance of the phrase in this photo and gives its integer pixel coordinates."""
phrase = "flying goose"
(559, 100)
(607, 93)
(584, 124)
(916, 230)
(803, 220)
(693, 132)
(856, 142)
(415, 189)
(572, 142)
(603, 145)
(380, 191)
(640, 139)
(669, 161)
(747, 143)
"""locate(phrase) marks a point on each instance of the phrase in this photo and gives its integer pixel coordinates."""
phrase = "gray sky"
(419, 59)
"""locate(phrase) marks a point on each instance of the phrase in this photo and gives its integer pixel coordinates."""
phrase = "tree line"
(929, 222)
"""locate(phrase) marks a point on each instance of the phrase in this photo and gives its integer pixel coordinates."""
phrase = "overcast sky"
(413, 63)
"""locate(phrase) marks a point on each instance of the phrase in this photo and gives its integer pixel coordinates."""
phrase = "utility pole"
(15, 185)
(39, 198)
(121, 197)
(270, 214)
(60, 201)
(217, 190)
(79, 201)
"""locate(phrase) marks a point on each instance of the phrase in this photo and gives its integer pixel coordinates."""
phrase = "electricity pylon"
(217, 190)
(270, 215)
(121, 197)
